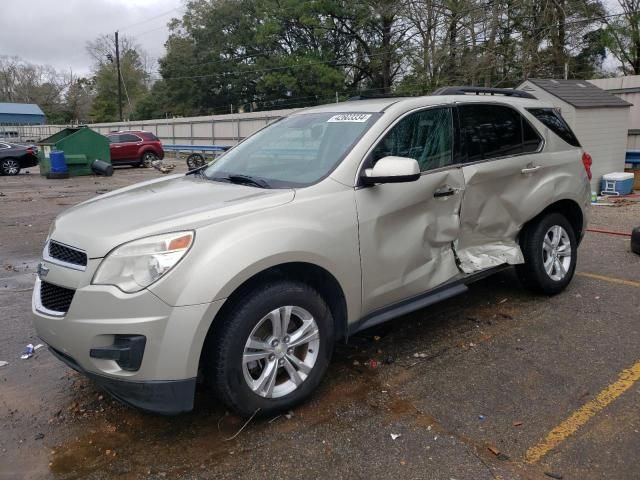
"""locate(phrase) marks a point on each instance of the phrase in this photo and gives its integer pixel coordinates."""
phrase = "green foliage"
(105, 80)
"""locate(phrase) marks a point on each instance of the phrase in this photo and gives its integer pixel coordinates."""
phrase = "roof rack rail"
(364, 96)
(507, 92)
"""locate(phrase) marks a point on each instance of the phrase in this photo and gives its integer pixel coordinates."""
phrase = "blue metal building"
(21, 114)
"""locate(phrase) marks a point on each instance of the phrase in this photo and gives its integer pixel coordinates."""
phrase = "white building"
(599, 119)
(628, 89)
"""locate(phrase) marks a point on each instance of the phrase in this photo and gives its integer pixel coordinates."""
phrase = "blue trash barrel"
(58, 166)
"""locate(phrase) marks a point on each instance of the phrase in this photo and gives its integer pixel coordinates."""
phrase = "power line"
(160, 15)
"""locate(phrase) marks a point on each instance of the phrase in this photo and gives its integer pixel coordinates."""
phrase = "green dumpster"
(80, 145)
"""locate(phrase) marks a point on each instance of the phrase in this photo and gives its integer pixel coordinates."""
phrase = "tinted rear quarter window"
(149, 136)
(554, 122)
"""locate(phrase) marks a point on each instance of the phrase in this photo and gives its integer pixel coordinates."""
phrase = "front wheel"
(9, 166)
(550, 251)
(272, 349)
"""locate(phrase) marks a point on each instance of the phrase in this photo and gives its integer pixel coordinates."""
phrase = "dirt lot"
(495, 384)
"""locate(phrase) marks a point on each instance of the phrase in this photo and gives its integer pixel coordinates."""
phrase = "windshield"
(294, 152)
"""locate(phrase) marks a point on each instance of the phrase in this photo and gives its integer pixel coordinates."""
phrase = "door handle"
(445, 192)
(527, 170)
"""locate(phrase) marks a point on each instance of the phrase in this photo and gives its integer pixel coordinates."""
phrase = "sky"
(55, 32)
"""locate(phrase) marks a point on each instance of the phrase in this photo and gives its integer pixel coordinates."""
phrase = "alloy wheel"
(10, 166)
(281, 351)
(556, 253)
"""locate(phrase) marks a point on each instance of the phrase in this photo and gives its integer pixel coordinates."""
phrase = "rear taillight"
(587, 161)
(30, 151)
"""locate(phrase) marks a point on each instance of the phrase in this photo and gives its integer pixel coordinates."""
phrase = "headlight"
(136, 265)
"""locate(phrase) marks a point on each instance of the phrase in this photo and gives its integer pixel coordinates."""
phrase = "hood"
(184, 202)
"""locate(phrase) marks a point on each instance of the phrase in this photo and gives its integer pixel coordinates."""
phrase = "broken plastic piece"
(3, 363)
(395, 435)
(27, 352)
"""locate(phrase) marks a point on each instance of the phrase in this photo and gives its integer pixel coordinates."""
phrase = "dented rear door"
(507, 183)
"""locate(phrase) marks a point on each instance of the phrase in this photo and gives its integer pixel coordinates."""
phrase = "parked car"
(246, 271)
(134, 147)
(14, 158)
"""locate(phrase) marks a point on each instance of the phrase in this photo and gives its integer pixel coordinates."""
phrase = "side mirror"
(392, 170)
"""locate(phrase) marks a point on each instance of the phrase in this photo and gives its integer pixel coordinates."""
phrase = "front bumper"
(166, 398)
(164, 380)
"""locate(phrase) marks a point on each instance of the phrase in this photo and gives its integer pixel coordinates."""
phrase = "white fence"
(210, 130)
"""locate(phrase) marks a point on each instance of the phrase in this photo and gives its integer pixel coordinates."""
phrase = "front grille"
(53, 297)
(67, 254)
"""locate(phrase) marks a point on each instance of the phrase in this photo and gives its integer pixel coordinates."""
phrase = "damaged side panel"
(500, 199)
(406, 235)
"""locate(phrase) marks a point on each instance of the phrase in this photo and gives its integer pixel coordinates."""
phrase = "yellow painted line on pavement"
(559, 434)
(619, 281)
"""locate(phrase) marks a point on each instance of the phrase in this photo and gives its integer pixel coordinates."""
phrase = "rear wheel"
(271, 351)
(550, 251)
(147, 159)
(9, 166)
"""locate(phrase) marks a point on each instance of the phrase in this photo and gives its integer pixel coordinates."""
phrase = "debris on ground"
(395, 435)
(289, 415)
(3, 363)
(493, 450)
(553, 475)
(371, 363)
(517, 424)
(481, 417)
(37, 347)
(39, 436)
(27, 352)
(388, 360)
(162, 167)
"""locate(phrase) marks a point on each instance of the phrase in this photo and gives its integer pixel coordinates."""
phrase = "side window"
(426, 136)
(129, 138)
(490, 131)
(114, 138)
(531, 140)
(554, 122)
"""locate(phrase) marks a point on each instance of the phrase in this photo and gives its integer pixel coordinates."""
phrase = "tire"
(9, 166)
(232, 364)
(147, 159)
(194, 161)
(548, 266)
(635, 240)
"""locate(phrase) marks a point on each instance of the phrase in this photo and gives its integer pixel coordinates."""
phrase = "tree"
(623, 36)
(134, 77)
(24, 82)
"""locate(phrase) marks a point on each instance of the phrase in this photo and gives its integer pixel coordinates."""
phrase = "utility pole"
(119, 77)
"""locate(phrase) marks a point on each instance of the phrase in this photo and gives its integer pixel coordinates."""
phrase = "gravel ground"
(465, 387)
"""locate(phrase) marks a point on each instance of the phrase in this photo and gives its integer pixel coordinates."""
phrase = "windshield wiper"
(243, 180)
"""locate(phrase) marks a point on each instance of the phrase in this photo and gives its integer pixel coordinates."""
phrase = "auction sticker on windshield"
(350, 117)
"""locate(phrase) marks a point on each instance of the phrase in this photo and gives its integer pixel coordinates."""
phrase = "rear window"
(553, 121)
(149, 136)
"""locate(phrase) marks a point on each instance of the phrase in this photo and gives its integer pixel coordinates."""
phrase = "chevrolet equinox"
(246, 271)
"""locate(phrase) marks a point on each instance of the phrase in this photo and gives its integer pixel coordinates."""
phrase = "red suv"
(134, 147)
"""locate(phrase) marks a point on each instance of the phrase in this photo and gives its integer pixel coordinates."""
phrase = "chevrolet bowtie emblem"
(42, 270)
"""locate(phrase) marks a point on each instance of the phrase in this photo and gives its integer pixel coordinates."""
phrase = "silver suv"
(245, 272)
